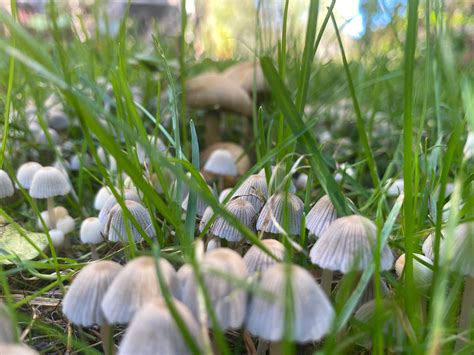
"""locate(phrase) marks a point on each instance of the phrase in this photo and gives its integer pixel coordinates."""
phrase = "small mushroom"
(91, 233)
(6, 185)
(257, 261)
(26, 172)
(47, 183)
(101, 197)
(255, 190)
(82, 303)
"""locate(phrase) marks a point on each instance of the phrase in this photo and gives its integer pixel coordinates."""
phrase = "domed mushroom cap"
(116, 226)
(428, 246)
(6, 185)
(221, 162)
(220, 268)
(278, 176)
(49, 182)
(82, 303)
(25, 173)
(224, 193)
(286, 209)
(57, 237)
(463, 250)
(243, 74)
(57, 120)
(91, 231)
(347, 245)
(65, 224)
(153, 330)
(136, 285)
(320, 216)
(256, 260)
(156, 143)
(206, 217)
(422, 275)
(17, 349)
(41, 138)
(112, 201)
(101, 197)
(241, 158)
(215, 91)
(200, 206)
(243, 211)
(255, 190)
(312, 312)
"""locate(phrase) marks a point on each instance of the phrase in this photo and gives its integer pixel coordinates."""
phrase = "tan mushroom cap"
(242, 74)
(213, 90)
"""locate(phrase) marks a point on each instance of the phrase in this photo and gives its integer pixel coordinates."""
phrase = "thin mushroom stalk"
(106, 334)
(467, 308)
(94, 253)
(326, 281)
(51, 213)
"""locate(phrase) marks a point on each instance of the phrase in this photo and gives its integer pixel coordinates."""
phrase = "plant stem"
(106, 333)
(467, 308)
(51, 213)
(326, 281)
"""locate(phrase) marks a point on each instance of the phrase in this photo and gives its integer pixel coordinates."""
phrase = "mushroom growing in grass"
(101, 197)
(6, 185)
(136, 285)
(310, 317)
(257, 261)
(59, 211)
(243, 74)
(462, 262)
(214, 92)
(91, 233)
(82, 303)
(153, 330)
(348, 245)
(47, 183)
(25, 173)
(320, 216)
(221, 163)
(117, 222)
(66, 225)
(112, 201)
(255, 190)
(201, 204)
(221, 269)
(243, 211)
(281, 211)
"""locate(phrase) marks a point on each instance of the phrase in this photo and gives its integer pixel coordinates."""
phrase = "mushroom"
(220, 163)
(243, 211)
(25, 173)
(281, 211)
(220, 269)
(153, 330)
(312, 313)
(82, 303)
(116, 229)
(6, 185)
(57, 237)
(255, 190)
(200, 206)
(57, 120)
(257, 261)
(136, 285)
(320, 216)
(243, 74)
(101, 197)
(59, 211)
(347, 245)
(112, 201)
(47, 183)
(214, 92)
(91, 233)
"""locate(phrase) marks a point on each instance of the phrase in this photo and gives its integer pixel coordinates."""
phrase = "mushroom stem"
(213, 133)
(276, 348)
(326, 281)
(94, 253)
(220, 183)
(51, 213)
(107, 339)
(262, 347)
(467, 308)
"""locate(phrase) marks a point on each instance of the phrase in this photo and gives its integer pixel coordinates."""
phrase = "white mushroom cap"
(65, 224)
(228, 298)
(91, 231)
(26, 172)
(213, 243)
(224, 193)
(347, 245)
(206, 217)
(6, 185)
(82, 303)
(57, 120)
(201, 204)
(221, 162)
(274, 211)
(153, 330)
(422, 274)
(57, 237)
(396, 188)
(256, 260)
(116, 229)
(301, 181)
(463, 250)
(313, 313)
(101, 197)
(136, 285)
(41, 137)
(243, 211)
(255, 190)
(17, 349)
(60, 213)
(112, 201)
(321, 215)
(49, 182)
